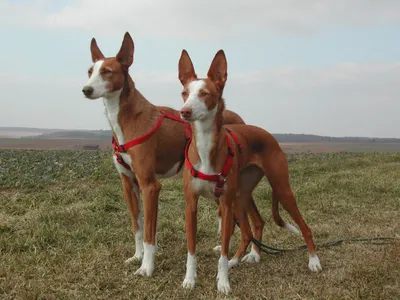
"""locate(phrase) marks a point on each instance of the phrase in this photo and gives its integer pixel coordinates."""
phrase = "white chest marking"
(111, 104)
(204, 133)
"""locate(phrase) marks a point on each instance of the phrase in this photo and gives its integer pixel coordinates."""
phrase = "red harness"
(118, 149)
(219, 178)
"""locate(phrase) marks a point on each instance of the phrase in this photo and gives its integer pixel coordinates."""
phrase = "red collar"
(118, 149)
(220, 178)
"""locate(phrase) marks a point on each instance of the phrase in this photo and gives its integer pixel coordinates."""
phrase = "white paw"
(188, 283)
(147, 267)
(223, 285)
(136, 258)
(217, 248)
(252, 257)
(145, 270)
(233, 262)
(222, 276)
(314, 264)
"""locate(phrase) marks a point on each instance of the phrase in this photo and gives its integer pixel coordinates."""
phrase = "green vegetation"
(65, 232)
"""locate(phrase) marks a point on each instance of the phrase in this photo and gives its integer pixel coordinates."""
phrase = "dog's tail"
(277, 217)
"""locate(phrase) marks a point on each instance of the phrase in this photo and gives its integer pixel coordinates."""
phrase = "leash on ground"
(275, 251)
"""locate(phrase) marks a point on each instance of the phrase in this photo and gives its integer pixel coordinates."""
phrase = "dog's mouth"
(186, 119)
(193, 119)
(91, 97)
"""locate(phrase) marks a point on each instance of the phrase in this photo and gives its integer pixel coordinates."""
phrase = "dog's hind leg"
(278, 177)
(218, 247)
(240, 213)
(288, 202)
(249, 178)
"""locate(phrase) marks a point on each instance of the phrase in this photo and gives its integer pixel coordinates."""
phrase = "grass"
(65, 232)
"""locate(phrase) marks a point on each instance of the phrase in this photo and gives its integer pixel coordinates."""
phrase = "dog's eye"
(107, 70)
(184, 93)
(90, 71)
(203, 94)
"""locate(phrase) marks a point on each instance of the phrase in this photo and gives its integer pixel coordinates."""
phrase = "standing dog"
(227, 163)
(149, 142)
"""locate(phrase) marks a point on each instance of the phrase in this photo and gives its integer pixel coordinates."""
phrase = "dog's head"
(202, 96)
(108, 75)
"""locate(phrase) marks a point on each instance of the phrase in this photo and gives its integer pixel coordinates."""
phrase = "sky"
(326, 67)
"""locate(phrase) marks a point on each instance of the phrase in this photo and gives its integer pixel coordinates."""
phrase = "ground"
(65, 232)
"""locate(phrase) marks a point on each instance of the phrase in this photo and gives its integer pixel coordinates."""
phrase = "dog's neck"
(124, 108)
(209, 139)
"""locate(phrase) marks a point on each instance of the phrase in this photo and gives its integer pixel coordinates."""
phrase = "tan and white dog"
(227, 162)
(149, 142)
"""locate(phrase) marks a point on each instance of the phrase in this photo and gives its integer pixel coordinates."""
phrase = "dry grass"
(67, 236)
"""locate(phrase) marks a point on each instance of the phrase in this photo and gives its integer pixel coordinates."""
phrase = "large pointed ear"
(94, 49)
(125, 54)
(218, 69)
(186, 69)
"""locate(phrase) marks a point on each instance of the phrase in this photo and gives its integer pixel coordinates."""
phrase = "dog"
(227, 162)
(148, 142)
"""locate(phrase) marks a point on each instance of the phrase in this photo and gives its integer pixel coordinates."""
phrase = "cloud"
(207, 19)
(342, 99)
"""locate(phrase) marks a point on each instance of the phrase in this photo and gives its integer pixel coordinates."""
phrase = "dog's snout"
(186, 112)
(87, 90)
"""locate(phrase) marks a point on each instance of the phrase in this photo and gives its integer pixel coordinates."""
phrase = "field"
(54, 144)
(65, 232)
(104, 143)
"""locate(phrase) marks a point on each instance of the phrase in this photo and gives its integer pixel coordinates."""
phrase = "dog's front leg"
(151, 190)
(191, 230)
(132, 199)
(227, 225)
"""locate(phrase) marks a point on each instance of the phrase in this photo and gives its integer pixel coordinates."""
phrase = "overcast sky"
(328, 67)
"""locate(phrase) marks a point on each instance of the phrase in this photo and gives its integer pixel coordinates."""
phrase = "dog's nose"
(87, 90)
(186, 112)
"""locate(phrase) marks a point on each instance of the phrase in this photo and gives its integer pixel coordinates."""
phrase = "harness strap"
(236, 139)
(178, 119)
(219, 178)
(123, 148)
(118, 149)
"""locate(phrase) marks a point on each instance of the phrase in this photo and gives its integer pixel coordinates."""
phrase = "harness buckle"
(219, 186)
(121, 149)
(221, 179)
(194, 173)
